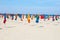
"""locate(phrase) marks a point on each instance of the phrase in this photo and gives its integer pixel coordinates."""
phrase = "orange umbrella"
(28, 18)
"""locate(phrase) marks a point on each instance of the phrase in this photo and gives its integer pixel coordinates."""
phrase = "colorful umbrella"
(4, 21)
(20, 16)
(37, 19)
(53, 18)
(28, 18)
(56, 17)
(16, 17)
(12, 15)
(42, 16)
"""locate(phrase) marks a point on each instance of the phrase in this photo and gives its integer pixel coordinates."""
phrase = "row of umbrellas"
(29, 17)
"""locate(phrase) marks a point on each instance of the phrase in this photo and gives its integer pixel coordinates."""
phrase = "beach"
(22, 30)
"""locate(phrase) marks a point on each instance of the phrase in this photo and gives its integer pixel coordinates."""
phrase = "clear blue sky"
(30, 6)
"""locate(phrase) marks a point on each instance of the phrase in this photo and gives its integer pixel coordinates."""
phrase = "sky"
(30, 6)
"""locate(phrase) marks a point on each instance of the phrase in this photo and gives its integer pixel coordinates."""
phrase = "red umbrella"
(4, 19)
(42, 17)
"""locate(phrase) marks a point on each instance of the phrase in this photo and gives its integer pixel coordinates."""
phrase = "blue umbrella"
(45, 17)
(37, 19)
(20, 15)
(4, 16)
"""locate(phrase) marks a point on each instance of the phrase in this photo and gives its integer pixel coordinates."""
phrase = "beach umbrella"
(26, 15)
(12, 15)
(42, 16)
(56, 17)
(4, 21)
(7, 16)
(53, 18)
(45, 17)
(16, 17)
(37, 19)
(59, 17)
(1, 15)
(48, 17)
(28, 18)
(20, 16)
(32, 17)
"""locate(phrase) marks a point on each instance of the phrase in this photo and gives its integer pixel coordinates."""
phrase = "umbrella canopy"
(28, 18)
(12, 15)
(37, 19)
(4, 21)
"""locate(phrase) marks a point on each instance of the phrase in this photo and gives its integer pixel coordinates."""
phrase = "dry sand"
(22, 30)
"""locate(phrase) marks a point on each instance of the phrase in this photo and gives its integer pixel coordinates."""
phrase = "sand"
(22, 30)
